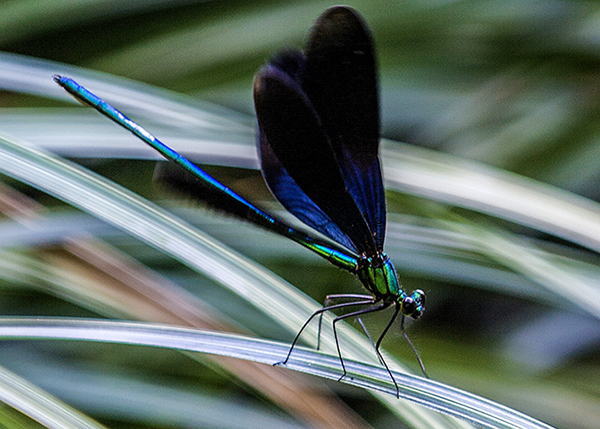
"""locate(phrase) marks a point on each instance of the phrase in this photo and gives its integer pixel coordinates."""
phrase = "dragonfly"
(318, 140)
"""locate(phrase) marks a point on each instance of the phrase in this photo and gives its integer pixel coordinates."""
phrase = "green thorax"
(378, 275)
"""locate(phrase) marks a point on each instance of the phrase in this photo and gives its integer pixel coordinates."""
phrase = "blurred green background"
(511, 84)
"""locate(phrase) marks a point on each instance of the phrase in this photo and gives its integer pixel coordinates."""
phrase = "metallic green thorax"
(378, 275)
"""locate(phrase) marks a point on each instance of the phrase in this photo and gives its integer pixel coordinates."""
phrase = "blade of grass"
(486, 189)
(419, 390)
(40, 405)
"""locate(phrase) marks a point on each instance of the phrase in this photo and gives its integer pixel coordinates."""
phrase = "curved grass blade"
(422, 391)
(41, 406)
(445, 178)
(30, 75)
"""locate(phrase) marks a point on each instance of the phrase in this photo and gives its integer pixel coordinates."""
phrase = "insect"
(318, 138)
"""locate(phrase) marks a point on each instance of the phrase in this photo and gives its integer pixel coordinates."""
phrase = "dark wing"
(290, 195)
(340, 80)
(299, 164)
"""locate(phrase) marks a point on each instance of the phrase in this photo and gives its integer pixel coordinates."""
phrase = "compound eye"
(408, 306)
(420, 294)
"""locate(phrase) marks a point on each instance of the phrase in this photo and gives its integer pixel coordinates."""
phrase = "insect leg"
(320, 311)
(413, 348)
(372, 309)
(332, 298)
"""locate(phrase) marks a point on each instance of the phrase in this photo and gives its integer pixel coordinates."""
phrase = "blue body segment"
(338, 257)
